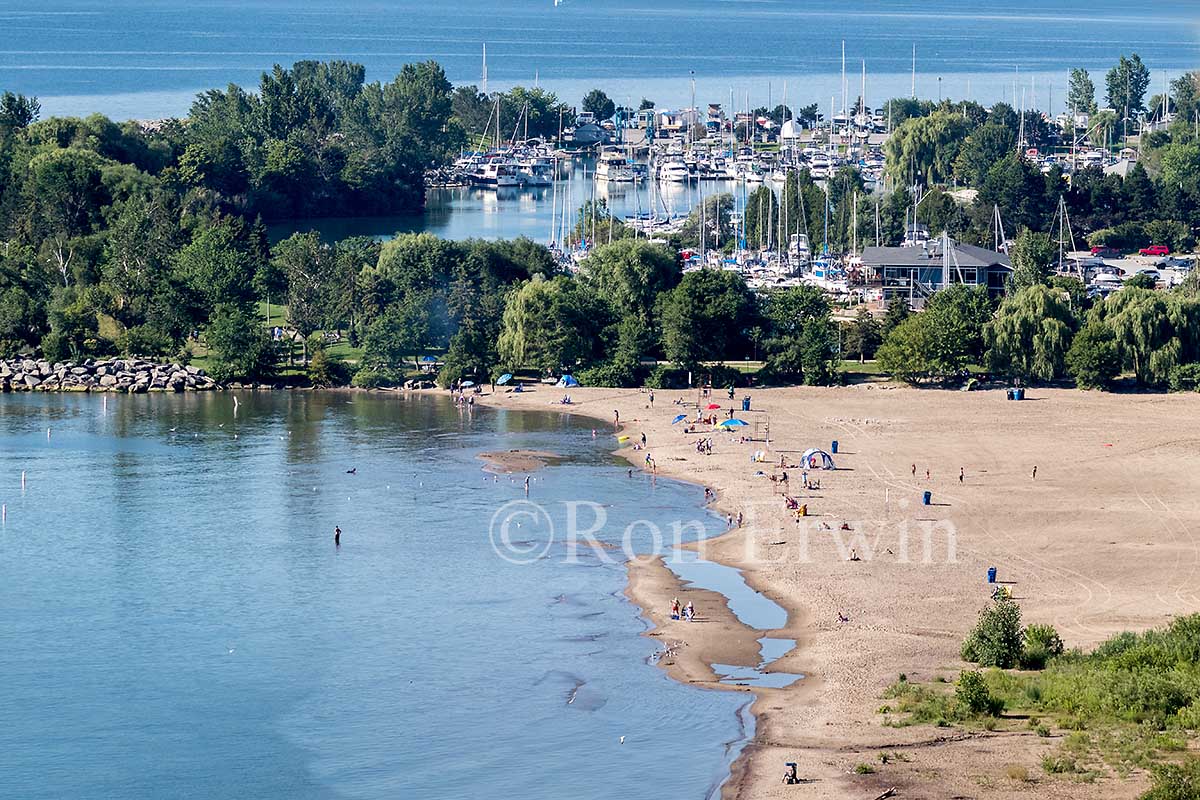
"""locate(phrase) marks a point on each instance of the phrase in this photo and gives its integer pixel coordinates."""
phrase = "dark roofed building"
(916, 272)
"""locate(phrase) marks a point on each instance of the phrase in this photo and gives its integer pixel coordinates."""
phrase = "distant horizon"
(133, 60)
(765, 91)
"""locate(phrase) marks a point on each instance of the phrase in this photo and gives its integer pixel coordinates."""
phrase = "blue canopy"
(503, 379)
(733, 423)
(566, 382)
(679, 419)
(428, 360)
(467, 384)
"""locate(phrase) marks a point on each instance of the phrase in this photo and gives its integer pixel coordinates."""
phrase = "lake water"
(176, 621)
(534, 212)
(147, 58)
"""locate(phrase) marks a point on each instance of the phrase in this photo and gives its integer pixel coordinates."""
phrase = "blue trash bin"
(746, 403)
(927, 498)
(1020, 393)
(833, 447)
(991, 574)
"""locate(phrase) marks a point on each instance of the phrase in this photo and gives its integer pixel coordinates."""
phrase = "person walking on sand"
(643, 438)
(926, 474)
(1035, 472)
(652, 398)
(337, 536)
(914, 470)
(526, 485)
(689, 611)
(739, 519)
(675, 608)
(961, 474)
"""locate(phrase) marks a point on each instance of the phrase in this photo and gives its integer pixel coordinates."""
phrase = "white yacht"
(612, 167)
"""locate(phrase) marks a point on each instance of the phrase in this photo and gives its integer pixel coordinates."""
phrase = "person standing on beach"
(1035, 472)
(643, 438)
(337, 536)
(526, 485)
(914, 470)
(652, 398)
(961, 474)
(926, 474)
(689, 611)
(616, 418)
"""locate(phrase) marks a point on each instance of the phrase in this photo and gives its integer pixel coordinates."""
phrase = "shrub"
(367, 378)
(611, 373)
(863, 769)
(1017, 773)
(326, 370)
(972, 695)
(1042, 643)
(996, 640)
(1175, 781)
(1184, 378)
(665, 376)
(144, 340)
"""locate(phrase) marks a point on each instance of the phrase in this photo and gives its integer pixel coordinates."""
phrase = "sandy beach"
(1102, 540)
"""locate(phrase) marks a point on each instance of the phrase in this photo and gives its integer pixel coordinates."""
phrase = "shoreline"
(1096, 544)
(651, 585)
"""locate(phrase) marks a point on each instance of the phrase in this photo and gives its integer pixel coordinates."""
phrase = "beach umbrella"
(467, 384)
(679, 419)
(713, 406)
(428, 360)
(503, 379)
(733, 423)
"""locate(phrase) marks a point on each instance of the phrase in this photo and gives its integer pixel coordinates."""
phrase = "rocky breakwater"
(113, 375)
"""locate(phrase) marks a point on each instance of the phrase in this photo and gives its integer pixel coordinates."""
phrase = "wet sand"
(1102, 540)
(506, 462)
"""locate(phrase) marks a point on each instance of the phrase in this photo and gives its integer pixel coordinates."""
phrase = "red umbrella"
(713, 406)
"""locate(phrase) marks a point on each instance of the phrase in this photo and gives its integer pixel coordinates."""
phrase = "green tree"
(551, 325)
(1185, 91)
(217, 267)
(630, 274)
(997, 639)
(401, 330)
(1031, 334)
(1081, 92)
(598, 103)
(1032, 254)
(923, 149)
(863, 335)
(706, 317)
(1093, 360)
(310, 269)
(984, 147)
(241, 349)
(1127, 83)
(898, 310)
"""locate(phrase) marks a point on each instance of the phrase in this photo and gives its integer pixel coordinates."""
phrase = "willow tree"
(924, 149)
(1143, 331)
(550, 325)
(1031, 334)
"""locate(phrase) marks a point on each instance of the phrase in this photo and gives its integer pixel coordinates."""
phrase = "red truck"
(1106, 251)
(1155, 250)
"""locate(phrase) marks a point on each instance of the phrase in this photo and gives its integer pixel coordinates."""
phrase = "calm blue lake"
(147, 58)
(176, 621)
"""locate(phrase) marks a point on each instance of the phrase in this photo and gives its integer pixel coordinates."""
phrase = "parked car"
(1106, 251)
(1155, 250)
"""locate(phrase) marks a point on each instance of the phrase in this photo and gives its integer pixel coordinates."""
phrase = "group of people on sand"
(687, 613)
